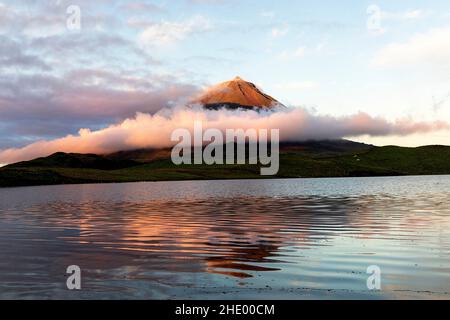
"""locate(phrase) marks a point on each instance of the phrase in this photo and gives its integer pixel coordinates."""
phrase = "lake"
(235, 239)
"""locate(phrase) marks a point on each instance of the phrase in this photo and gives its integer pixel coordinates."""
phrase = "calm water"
(300, 239)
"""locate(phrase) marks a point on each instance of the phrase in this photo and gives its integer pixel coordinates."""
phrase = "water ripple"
(147, 243)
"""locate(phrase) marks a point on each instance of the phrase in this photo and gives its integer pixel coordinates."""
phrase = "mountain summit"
(235, 94)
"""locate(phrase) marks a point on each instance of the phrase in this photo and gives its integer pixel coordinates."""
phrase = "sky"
(389, 59)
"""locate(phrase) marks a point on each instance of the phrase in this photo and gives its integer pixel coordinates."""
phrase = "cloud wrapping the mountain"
(154, 131)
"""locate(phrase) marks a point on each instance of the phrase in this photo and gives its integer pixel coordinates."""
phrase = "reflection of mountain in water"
(232, 237)
(227, 236)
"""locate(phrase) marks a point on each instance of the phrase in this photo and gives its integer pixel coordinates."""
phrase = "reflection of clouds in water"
(237, 237)
(308, 241)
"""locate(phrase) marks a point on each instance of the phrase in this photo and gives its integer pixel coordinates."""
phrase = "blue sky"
(386, 58)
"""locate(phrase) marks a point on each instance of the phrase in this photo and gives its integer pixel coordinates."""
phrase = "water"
(251, 239)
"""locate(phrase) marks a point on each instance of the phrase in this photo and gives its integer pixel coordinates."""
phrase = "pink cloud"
(154, 131)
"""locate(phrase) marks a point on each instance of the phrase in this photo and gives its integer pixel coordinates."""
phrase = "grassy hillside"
(296, 160)
(74, 160)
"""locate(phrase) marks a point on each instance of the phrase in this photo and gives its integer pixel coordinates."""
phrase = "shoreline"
(217, 179)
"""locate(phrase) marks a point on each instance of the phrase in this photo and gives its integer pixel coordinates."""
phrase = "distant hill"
(140, 155)
(311, 159)
(324, 147)
(311, 147)
(75, 160)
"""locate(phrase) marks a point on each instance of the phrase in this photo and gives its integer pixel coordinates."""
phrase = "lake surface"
(242, 239)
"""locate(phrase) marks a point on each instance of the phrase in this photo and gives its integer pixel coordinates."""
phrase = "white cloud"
(268, 14)
(297, 53)
(279, 32)
(207, 1)
(142, 7)
(431, 48)
(320, 47)
(406, 15)
(378, 31)
(298, 85)
(379, 20)
(166, 33)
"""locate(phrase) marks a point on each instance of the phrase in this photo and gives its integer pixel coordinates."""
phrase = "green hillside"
(331, 159)
(74, 160)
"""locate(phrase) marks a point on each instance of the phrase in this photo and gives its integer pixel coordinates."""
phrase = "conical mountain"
(234, 94)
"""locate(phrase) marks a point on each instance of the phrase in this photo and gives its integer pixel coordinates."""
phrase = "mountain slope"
(234, 94)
